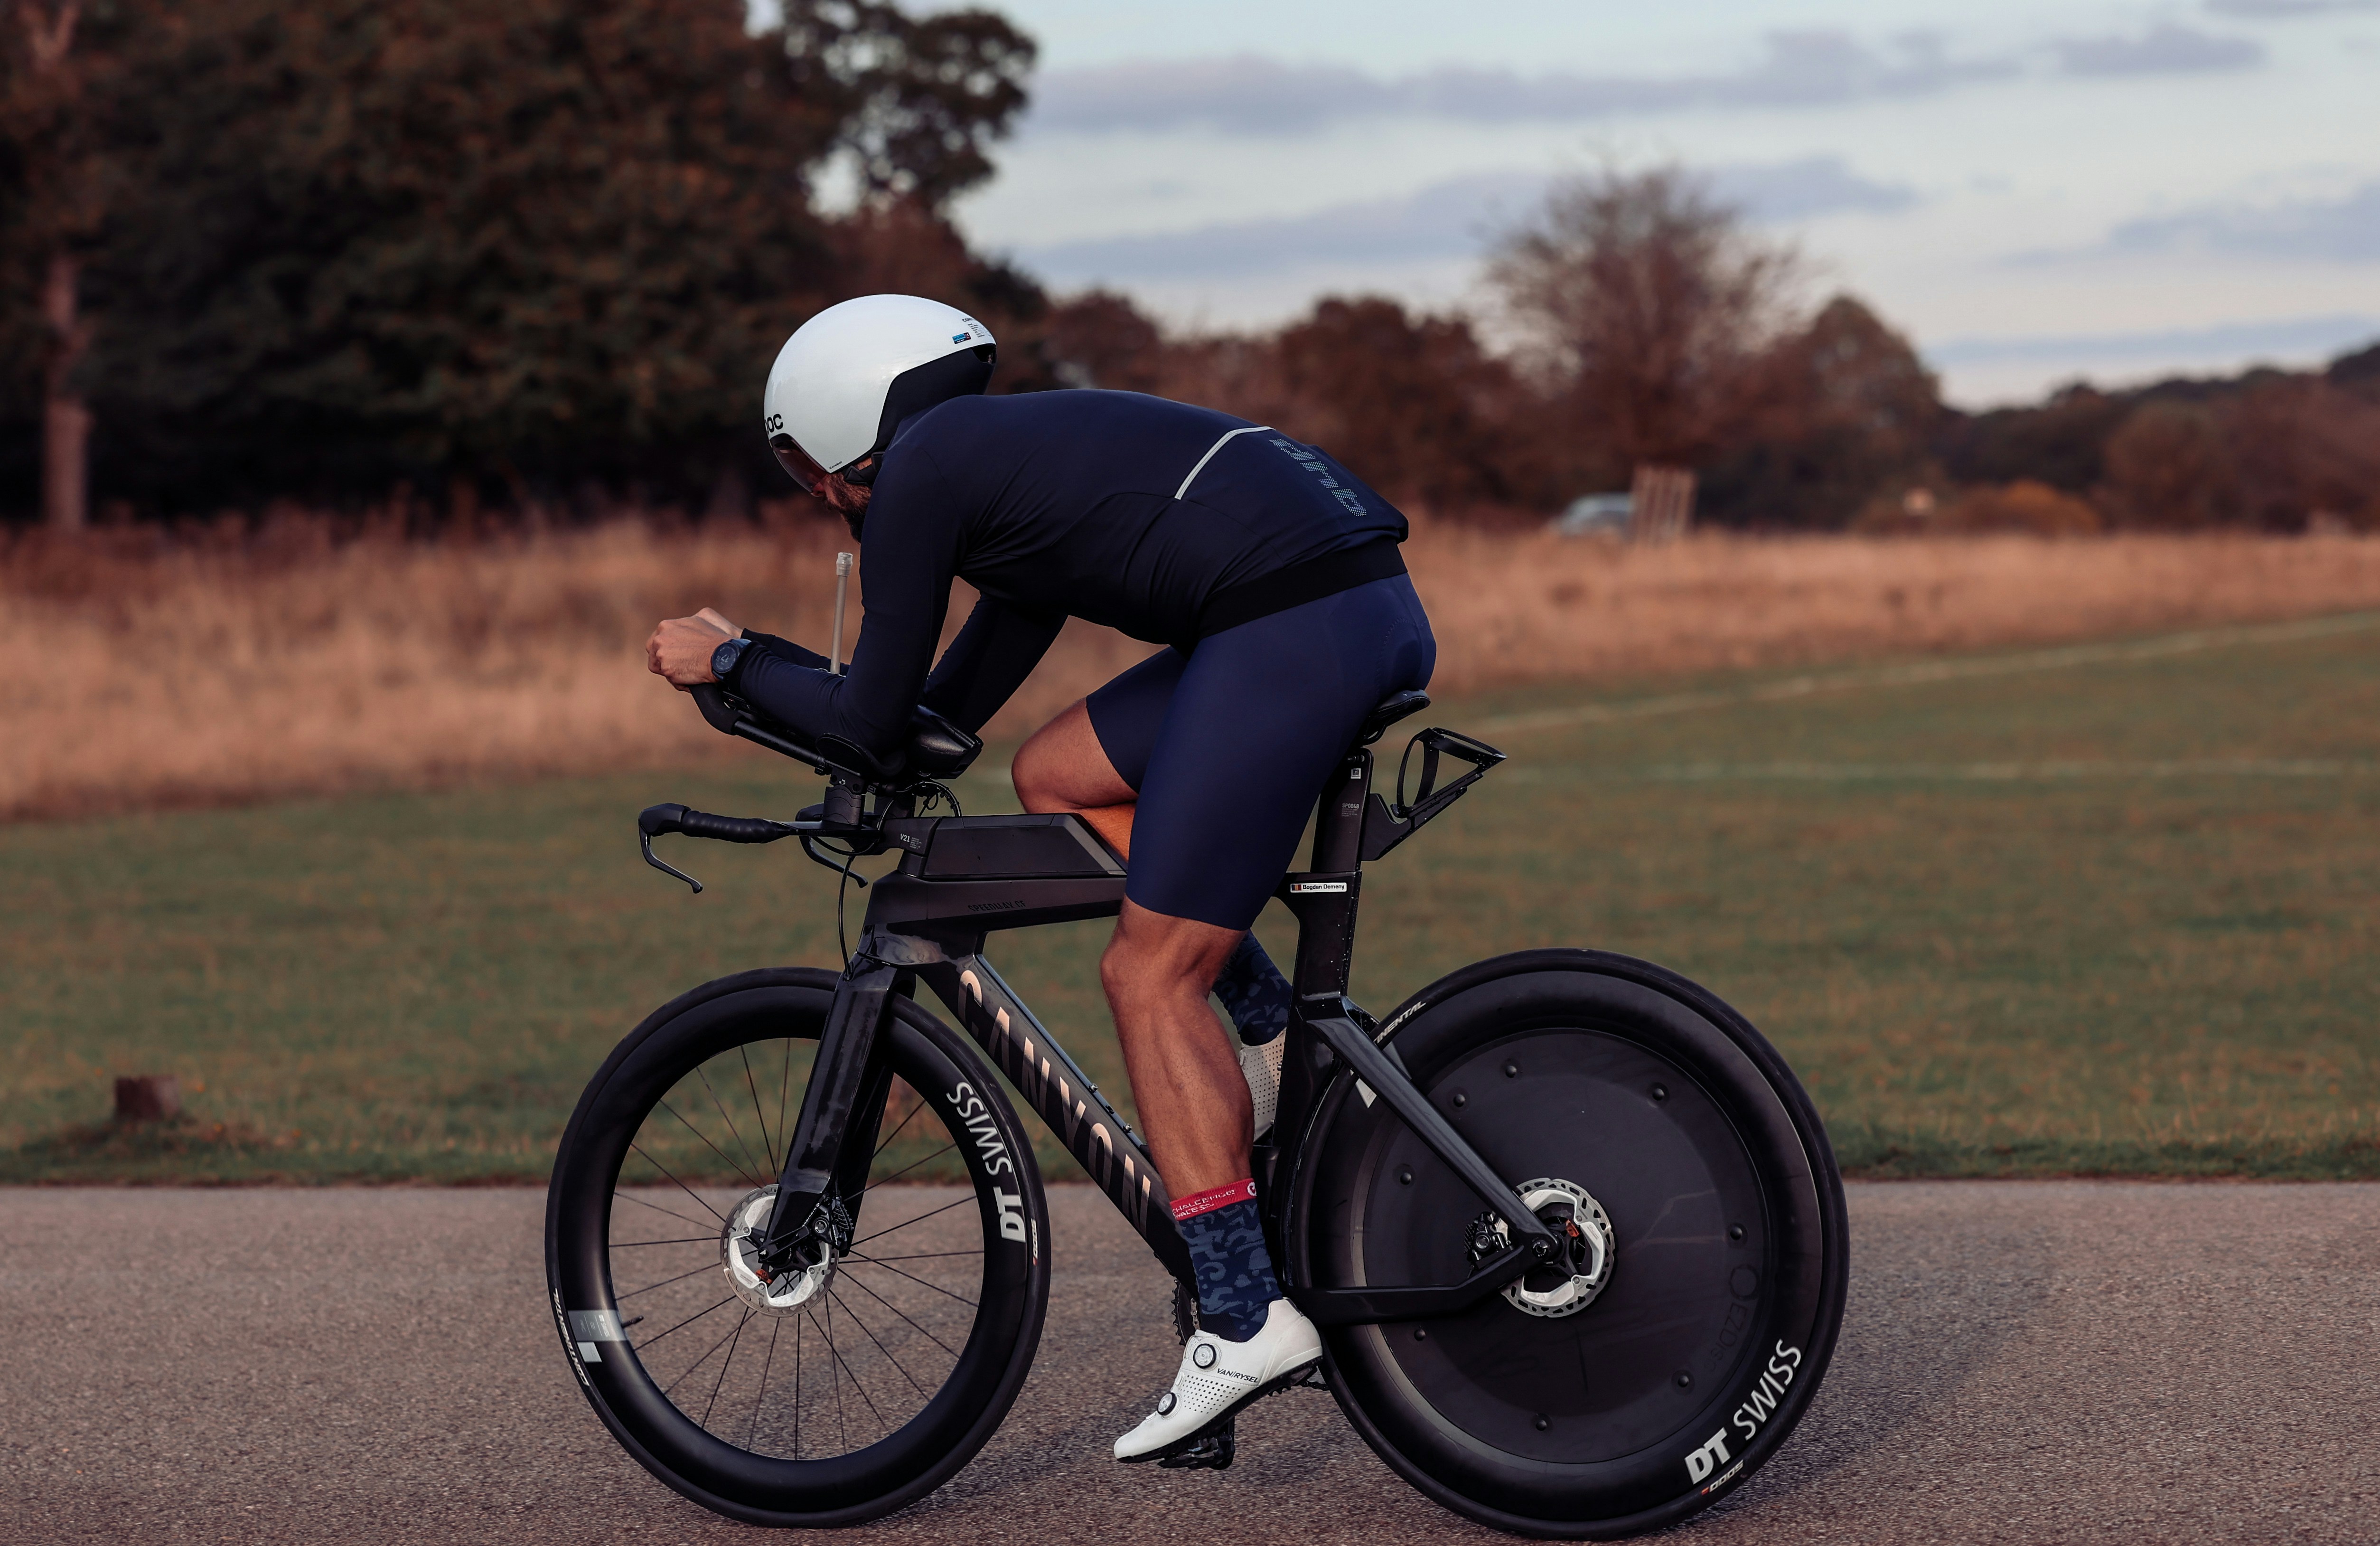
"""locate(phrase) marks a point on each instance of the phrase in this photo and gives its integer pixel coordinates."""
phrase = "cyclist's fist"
(680, 649)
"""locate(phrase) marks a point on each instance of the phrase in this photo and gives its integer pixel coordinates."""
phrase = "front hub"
(772, 1293)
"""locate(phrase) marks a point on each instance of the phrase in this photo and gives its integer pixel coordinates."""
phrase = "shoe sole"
(1307, 1375)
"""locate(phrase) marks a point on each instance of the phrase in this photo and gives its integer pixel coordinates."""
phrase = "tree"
(55, 195)
(366, 241)
(2304, 448)
(916, 99)
(1412, 405)
(2060, 442)
(1646, 307)
(1836, 413)
(2169, 464)
(1100, 339)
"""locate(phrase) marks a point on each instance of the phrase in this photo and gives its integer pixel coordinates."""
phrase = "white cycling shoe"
(1218, 1378)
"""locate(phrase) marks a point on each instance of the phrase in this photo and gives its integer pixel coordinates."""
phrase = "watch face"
(724, 659)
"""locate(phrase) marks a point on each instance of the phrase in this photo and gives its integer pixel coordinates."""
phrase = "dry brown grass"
(151, 672)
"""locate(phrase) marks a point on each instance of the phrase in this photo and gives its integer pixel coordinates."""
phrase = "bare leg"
(1158, 971)
(1063, 767)
(1192, 1098)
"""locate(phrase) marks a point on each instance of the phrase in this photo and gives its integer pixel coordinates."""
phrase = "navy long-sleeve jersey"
(1083, 504)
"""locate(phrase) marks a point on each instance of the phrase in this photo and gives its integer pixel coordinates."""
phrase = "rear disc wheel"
(1671, 1349)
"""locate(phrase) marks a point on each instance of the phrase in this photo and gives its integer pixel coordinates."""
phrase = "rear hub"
(1582, 1264)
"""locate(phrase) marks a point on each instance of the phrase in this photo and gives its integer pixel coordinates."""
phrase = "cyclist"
(1274, 575)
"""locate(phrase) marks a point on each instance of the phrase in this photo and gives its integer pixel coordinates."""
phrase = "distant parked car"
(1597, 515)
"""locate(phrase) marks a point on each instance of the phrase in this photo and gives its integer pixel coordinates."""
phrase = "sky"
(2116, 189)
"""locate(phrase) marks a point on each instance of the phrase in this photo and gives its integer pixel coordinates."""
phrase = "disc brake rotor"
(739, 1255)
(1569, 1282)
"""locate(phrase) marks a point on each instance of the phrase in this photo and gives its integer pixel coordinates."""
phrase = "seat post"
(1324, 899)
(1339, 819)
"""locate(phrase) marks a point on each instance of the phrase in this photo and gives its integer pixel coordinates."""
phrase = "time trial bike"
(1570, 1226)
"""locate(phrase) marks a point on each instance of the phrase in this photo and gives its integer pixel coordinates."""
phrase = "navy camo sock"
(1227, 1250)
(1254, 992)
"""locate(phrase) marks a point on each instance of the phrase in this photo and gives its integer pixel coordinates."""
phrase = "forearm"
(989, 659)
(786, 648)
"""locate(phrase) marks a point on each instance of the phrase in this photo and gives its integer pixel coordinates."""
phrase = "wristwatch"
(723, 660)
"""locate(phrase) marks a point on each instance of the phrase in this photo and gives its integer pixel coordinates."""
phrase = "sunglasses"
(799, 464)
(804, 470)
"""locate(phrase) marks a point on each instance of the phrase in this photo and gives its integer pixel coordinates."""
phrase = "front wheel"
(819, 1397)
(1654, 1129)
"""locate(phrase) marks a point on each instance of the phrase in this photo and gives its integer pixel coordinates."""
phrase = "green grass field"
(2095, 915)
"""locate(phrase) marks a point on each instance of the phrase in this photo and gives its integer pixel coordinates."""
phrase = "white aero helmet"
(848, 376)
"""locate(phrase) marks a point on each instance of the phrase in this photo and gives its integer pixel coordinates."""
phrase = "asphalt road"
(2022, 1363)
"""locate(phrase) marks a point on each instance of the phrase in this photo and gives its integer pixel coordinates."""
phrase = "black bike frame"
(961, 878)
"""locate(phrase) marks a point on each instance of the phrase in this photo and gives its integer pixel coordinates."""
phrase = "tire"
(924, 1347)
(1703, 1345)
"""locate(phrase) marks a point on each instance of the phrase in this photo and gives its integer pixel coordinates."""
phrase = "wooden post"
(1661, 504)
(65, 419)
(149, 1098)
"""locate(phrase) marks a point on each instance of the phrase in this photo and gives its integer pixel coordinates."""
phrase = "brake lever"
(645, 841)
(840, 866)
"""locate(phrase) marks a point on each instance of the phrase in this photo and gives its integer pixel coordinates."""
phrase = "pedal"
(1210, 1450)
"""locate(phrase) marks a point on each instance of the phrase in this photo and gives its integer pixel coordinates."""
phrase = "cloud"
(2165, 49)
(1251, 95)
(2337, 230)
(1447, 220)
(1803, 190)
(2299, 337)
(2281, 10)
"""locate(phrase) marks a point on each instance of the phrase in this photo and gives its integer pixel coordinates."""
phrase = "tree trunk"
(66, 421)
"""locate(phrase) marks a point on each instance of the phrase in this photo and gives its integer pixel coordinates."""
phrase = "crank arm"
(1359, 1307)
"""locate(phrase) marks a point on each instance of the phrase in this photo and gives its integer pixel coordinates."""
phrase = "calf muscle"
(1186, 1080)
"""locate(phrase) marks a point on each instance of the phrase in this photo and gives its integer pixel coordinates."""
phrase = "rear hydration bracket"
(1386, 824)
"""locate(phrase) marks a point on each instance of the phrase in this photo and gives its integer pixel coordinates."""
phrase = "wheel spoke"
(687, 1322)
(706, 1355)
(704, 1074)
(678, 1184)
(704, 1421)
(854, 1316)
(688, 1240)
(760, 1112)
(706, 1267)
(906, 1222)
(834, 1374)
(920, 1256)
(907, 1168)
(698, 1132)
(776, 1325)
(903, 1123)
(619, 1196)
(862, 1391)
(897, 1310)
(918, 1281)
